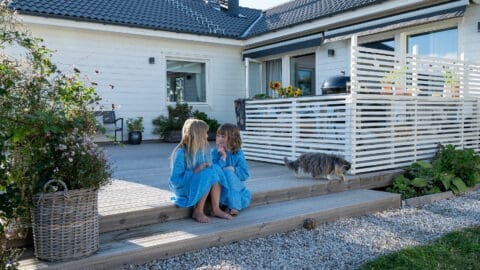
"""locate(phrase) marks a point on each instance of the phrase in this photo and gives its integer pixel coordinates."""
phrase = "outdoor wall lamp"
(151, 60)
(331, 52)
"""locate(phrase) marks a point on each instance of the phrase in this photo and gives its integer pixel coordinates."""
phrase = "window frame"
(314, 83)
(205, 61)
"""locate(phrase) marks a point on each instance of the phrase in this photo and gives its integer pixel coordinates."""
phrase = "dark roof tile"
(300, 11)
(169, 15)
(189, 16)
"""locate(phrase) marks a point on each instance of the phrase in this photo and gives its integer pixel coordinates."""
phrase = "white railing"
(392, 132)
(278, 128)
(382, 72)
(398, 111)
(404, 107)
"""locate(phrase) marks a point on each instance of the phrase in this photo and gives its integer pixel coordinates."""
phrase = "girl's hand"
(201, 167)
(223, 154)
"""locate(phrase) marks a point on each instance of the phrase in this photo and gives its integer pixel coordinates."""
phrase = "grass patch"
(456, 250)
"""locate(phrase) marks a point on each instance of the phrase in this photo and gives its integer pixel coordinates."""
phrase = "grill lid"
(336, 82)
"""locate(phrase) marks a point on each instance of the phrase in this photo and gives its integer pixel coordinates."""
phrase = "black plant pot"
(135, 137)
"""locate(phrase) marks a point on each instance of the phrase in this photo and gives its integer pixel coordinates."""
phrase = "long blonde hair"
(193, 140)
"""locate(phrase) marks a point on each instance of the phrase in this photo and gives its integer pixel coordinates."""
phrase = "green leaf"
(446, 180)
(459, 184)
(419, 182)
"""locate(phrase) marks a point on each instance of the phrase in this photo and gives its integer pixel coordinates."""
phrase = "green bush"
(174, 121)
(47, 125)
(462, 163)
(135, 124)
(451, 169)
(212, 123)
(177, 116)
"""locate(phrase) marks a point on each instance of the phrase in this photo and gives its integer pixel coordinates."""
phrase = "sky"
(261, 4)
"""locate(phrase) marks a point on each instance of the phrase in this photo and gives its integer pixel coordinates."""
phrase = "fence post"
(350, 107)
(294, 128)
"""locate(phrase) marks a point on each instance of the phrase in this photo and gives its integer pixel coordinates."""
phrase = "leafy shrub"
(47, 125)
(212, 123)
(177, 116)
(135, 124)
(462, 163)
(174, 121)
(451, 169)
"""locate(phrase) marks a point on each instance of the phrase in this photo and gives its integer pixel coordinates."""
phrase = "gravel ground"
(343, 244)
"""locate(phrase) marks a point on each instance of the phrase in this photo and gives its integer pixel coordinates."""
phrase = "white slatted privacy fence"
(391, 132)
(398, 111)
(278, 128)
(382, 72)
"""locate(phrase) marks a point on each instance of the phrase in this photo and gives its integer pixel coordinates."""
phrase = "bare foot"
(234, 212)
(200, 217)
(219, 213)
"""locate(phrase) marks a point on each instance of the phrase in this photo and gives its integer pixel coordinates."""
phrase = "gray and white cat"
(319, 165)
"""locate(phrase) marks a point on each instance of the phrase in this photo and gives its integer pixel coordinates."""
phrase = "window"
(186, 81)
(443, 43)
(302, 73)
(387, 45)
(273, 72)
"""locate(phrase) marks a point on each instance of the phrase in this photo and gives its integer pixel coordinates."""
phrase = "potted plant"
(392, 82)
(169, 128)
(135, 129)
(452, 84)
(212, 124)
(47, 131)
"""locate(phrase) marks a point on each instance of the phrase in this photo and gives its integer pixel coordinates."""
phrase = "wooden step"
(266, 189)
(176, 237)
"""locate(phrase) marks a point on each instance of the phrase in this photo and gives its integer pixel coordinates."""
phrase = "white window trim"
(286, 80)
(400, 35)
(205, 61)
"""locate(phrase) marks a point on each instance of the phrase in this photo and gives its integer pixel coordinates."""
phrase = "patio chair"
(108, 118)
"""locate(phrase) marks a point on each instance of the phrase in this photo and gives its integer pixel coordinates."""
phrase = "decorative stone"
(309, 224)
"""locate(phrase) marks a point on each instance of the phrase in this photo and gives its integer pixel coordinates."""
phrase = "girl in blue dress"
(192, 176)
(228, 156)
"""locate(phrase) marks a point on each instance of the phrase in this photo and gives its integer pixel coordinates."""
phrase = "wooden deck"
(139, 193)
(138, 222)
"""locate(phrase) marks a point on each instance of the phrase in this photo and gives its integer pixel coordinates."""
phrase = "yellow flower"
(298, 92)
(271, 84)
(280, 91)
(289, 90)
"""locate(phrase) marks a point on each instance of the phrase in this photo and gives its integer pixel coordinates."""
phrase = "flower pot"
(134, 137)
(172, 136)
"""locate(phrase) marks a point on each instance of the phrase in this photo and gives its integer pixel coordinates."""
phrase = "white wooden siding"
(139, 88)
(470, 36)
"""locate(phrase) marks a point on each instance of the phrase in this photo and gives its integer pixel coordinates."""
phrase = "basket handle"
(52, 181)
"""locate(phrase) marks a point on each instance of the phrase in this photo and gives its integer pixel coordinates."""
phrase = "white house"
(147, 54)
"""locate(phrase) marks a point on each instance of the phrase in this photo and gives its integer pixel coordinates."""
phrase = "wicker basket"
(65, 223)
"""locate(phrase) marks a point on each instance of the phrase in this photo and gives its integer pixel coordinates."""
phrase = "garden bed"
(426, 199)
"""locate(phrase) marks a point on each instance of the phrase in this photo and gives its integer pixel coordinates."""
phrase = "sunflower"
(277, 86)
(289, 90)
(298, 92)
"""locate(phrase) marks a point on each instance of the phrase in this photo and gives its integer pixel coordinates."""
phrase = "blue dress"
(190, 187)
(234, 193)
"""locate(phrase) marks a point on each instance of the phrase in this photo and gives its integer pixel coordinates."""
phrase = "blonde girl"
(192, 176)
(228, 156)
